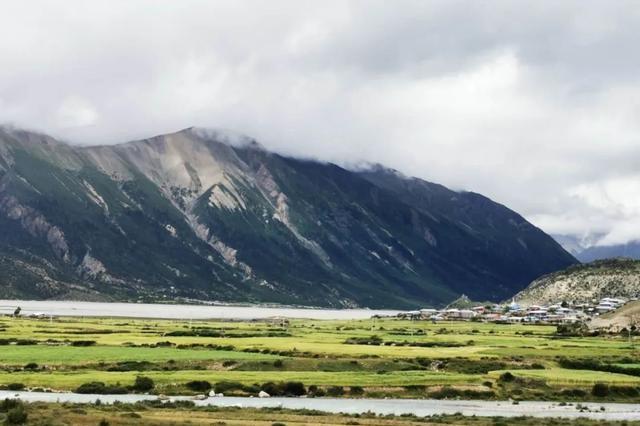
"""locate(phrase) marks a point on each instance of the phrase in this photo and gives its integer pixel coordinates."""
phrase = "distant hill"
(630, 250)
(210, 215)
(583, 283)
(586, 250)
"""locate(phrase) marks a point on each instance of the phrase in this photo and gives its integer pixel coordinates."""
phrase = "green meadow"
(377, 358)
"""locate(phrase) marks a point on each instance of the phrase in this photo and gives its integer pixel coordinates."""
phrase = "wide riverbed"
(149, 310)
(419, 407)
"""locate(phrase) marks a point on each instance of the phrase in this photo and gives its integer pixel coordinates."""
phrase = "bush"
(628, 391)
(507, 377)
(143, 384)
(356, 390)
(278, 363)
(600, 390)
(574, 392)
(83, 343)
(293, 389)
(335, 391)
(100, 388)
(284, 388)
(131, 366)
(203, 386)
(26, 342)
(373, 340)
(31, 366)
(17, 416)
(15, 386)
(572, 330)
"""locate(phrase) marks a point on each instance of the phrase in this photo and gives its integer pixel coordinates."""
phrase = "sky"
(534, 104)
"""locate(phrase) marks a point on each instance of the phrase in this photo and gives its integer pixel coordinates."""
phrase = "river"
(170, 311)
(419, 407)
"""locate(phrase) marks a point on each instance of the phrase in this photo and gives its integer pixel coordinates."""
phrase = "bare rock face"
(585, 283)
(36, 224)
(207, 214)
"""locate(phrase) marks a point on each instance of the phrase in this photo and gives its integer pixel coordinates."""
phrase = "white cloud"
(536, 107)
(75, 112)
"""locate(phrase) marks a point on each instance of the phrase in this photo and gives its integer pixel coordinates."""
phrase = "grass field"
(383, 357)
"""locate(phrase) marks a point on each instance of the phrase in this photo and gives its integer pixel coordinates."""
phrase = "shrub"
(284, 388)
(31, 366)
(83, 343)
(15, 386)
(17, 416)
(356, 390)
(203, 386)
(628, 391)
(335, 391)
(130, 366)
(574, 392)
(507, 377)
(293, 389)
(143, 384)
(103, 422)
(8, 404)
(25, 342)
(373, 340)
(100, 388)
(278, 363)
(444, 393)
(600, 390)
(572, 330)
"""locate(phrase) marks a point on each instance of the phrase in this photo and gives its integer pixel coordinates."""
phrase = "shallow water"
(419, 407)
(149, 310)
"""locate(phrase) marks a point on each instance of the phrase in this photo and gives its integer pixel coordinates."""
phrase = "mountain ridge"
(207, 214)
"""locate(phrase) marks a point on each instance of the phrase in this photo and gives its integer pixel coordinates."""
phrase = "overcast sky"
(534, 104)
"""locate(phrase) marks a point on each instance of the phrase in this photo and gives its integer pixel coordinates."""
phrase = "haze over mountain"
(586, 249)
(212, 215)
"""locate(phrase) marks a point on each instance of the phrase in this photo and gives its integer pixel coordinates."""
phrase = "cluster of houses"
(558, 313)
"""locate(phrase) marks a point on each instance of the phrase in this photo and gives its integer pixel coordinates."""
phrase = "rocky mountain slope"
(207, 215)
(583, 283)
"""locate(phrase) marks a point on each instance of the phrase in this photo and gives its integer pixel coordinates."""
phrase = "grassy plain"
(383, 357)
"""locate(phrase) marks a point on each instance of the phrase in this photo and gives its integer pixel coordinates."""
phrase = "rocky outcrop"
(36, 224)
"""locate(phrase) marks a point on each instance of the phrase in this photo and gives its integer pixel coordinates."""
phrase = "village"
(557, 313)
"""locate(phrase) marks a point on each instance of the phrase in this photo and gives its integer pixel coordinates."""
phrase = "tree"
(143, 384)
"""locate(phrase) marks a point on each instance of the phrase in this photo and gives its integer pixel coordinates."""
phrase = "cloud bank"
(536, 105)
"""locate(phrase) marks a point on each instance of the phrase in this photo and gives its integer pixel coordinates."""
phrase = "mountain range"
(210, 215)
(586, 249)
